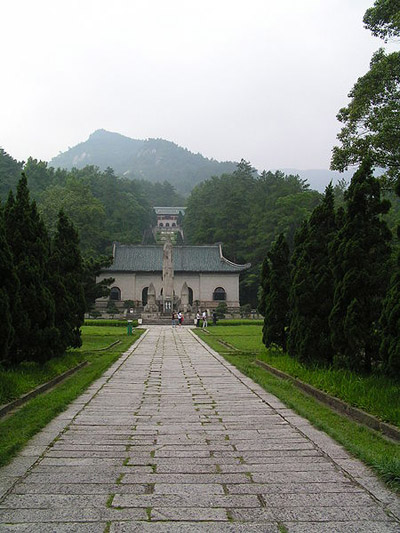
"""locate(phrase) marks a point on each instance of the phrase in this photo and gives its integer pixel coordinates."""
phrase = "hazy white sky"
(257, 79)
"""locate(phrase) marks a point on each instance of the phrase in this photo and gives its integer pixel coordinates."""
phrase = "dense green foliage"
(311, 292)
(46, 286)
(247, 212)
(360, 264)
(340, 270)
(276, 310)
(9, 293)
(371, 119)
(36, 335)
(10, 172)
(390, 326)
(383, 19)
(102, 207)
(66, 283)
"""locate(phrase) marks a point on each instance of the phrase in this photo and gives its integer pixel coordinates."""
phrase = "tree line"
(246, 211)
(103, 207)
(335, 298)
(46, 285)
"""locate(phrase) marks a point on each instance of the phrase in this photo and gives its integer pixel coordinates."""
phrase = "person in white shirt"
(204, 317)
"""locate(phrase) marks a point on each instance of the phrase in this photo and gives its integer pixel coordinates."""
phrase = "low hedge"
(238, 322)
(120, 323)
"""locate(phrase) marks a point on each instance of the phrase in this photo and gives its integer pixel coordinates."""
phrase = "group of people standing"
(177, 319)
(204, 317)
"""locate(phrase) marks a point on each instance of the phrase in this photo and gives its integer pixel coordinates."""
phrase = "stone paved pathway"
(172, 438)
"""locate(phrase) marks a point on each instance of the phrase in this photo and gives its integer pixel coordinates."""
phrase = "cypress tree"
(35, 336)
(300, 289)
(276, 303)
(311, 296)
(264, 286)
(390, 319)
(360, 253)
(390, 326)
(9, 291)
(67, 284)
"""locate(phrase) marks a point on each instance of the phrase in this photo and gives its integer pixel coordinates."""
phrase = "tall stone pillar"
(185, 297)
(168, 277)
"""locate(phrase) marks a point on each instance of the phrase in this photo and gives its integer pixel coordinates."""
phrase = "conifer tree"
(360, 253)
(390, 326)
(9, 291)
(276, 303)
(390, 319)
(311, 296)
(299, 290)
(67, 283)
(35, 336)
(264, 286)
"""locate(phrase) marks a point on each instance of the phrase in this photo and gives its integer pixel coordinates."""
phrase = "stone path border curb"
(343, 408)
(107, 347)
(4, 409)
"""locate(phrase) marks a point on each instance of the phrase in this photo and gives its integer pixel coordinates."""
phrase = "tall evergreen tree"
(390, 319)
(67, 283)
(9, 291)
(93, 289)
(276, 316)
(360, 252)
(390, 326)
(36, 335)
(311, 297)
(264, 286)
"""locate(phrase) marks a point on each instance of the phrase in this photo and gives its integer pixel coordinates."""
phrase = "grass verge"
(17, 429)
(376, 394)
(365, 444)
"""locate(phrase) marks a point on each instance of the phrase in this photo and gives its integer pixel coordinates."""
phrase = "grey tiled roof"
(142, 258)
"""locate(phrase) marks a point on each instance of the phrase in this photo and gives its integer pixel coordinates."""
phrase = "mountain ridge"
(159, 160)
(151, 159)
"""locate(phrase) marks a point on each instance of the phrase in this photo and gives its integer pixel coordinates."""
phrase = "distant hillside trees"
(103, 207)
(247, 212)
(10, 171)
(153, 160)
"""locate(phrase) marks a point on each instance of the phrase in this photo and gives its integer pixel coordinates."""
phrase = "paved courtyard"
(173, 438)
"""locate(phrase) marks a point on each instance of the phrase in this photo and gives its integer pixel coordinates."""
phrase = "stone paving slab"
(173, 438)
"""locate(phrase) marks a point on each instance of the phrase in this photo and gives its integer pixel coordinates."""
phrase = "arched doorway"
(144, 296)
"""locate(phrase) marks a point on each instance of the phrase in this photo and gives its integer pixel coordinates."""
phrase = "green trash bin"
(130, 327)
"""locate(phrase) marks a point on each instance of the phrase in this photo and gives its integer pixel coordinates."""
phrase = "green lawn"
(374, 450)
(375, 394)
(18, 428)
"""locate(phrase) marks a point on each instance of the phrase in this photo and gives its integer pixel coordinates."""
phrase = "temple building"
(160, 278)
(169, 217)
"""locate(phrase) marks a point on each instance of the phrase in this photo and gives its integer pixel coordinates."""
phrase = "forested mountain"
(155, 160)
